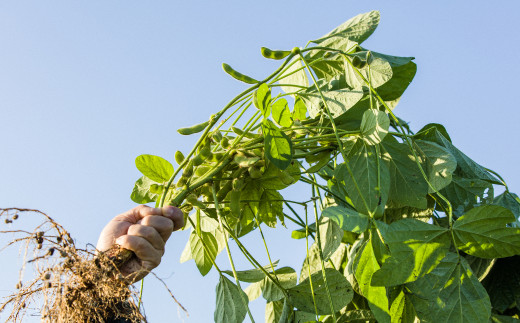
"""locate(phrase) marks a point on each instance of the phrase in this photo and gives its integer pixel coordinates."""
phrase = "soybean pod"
(193, 129)
(274, 54)
(237, 75)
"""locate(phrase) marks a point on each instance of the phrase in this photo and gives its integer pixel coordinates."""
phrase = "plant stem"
(244, 301)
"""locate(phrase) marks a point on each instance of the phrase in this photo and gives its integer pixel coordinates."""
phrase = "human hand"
(143, 230)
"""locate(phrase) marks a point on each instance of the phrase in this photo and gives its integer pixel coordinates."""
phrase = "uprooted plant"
(405, 226)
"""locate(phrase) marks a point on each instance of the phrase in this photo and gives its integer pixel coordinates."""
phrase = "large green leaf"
(338, 101)
(374, 126)
(483, 232)
(440, 164)
(262, 99)
(450, 293)
(287, 278)
(252, 275)
(403, 72)
(377, 72)
(407, 185)
(273, 311)
(278, 146)
(340, 290)
(502, 283)
(330, 237)
(141, 193)
(154, 167)
(401, 310)
(368, 184)
(511, 202)
(231, 302)
(468, 167)
(356, 29)
(347, 219)
(203, 257)
(364, 266)
(465, 193)
(295, 75)
(416, 248)
(281, 113)
(300, 110)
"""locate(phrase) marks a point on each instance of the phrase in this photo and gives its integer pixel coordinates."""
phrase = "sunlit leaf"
(483, 232)
(278, 146)
(154, 167)
(230, 302)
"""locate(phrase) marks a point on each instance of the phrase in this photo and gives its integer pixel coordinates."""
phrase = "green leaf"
(495, 318)
(364, 266)
(312, 262)
(465, 165)
(297, 78)
(374, 126)
(154, 167)
(271, 207)
(407, 185)
(231, 302)
(465, 193)
(483, 232)
(286, 276)
(276, 179)
(273, 311)
(252, 275)
(347, 219)
(403, 72)
(402, 310)
(368, 185)
(300, 110)
(330, 236)
(281, 114)
(502, 284)
(440, 164)
(357, 316)
(262, 99)
(378, 71)
(141, 193)
(278, 146)
(341, 292)
(357, 29)
(416, 248)
(338, 101)
(511, 202)
(450, 293)
(479, 266)
(203, 258)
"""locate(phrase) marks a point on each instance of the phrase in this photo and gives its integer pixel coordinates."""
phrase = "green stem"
(340, 145)
(318, 241)
(308, 261)
(245, 302)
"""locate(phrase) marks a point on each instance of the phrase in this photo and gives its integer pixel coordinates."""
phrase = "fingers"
(143, 249)
(149, 233)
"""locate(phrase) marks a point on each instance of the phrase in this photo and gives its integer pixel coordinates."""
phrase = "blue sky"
(86, 86)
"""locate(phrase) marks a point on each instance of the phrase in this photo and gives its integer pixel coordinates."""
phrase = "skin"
(143, 230)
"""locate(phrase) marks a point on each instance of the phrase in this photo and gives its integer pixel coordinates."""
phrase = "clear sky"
(86, 86)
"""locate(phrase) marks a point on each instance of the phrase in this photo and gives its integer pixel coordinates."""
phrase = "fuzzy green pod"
(179, 157)
(246, 134)
(206, 152)
(201, 170)
(274, 54)
(224, 142)
(295, 50)
(193, 129)
(358, 62)
(254, 172)
(216, 136)
(188, 170)
(237, 75)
